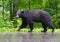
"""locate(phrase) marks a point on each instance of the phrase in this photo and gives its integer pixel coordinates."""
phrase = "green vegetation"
(26, 30)
(8, 10)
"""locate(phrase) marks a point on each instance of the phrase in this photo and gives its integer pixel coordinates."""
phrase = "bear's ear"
(22, 12)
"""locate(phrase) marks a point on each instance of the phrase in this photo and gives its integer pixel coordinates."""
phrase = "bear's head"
(19, 14)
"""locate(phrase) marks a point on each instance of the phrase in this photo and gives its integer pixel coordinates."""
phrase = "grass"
(26, 30)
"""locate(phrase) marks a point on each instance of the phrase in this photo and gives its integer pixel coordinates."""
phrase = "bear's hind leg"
(45, 27)
(51, 26)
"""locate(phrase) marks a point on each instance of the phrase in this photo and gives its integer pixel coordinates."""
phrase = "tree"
(13, 10)
(3, 8)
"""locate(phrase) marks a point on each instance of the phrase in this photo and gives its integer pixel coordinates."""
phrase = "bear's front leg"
(30, 22)
(23, 25)
(31, 27)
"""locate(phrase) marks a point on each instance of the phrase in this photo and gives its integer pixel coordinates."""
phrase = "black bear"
(31, 16)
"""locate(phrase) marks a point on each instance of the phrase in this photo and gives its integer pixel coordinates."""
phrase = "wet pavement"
(29, 37)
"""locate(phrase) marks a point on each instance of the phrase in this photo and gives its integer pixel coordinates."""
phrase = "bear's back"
(36, 12)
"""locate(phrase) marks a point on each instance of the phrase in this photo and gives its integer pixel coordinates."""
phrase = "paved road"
(29, 37)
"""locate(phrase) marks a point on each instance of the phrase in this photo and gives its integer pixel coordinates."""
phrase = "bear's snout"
(17, 16)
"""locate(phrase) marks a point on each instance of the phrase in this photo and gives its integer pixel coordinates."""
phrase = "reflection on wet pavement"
(29, 37)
